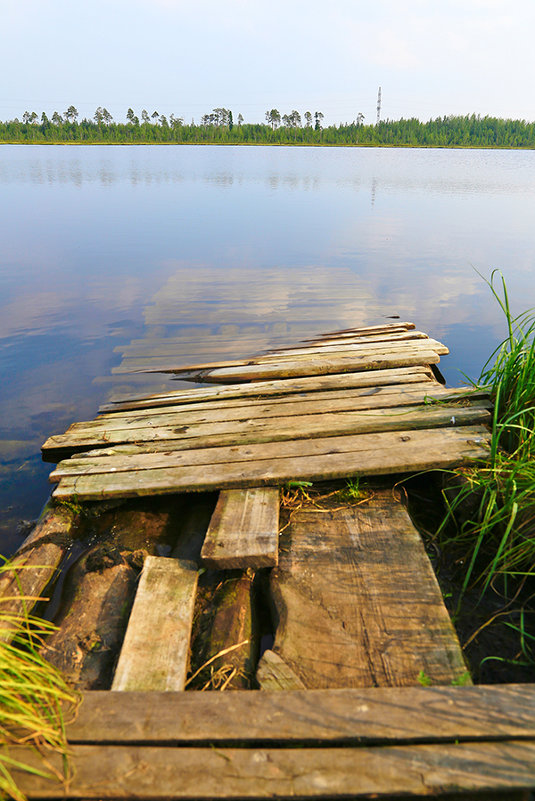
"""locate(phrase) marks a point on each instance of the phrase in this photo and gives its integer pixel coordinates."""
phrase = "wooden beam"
(244, 530)
(25, 577)
(152, 773)
(418, 714)
(155, 651)
(393, 452)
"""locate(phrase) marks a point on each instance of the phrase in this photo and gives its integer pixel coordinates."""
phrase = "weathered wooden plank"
(244, 530)
(151, 773)
(317, 366)
(397, 452)
(24, 580)
(155, 651)
(363, 715)
(309, 403)
(401, 375)
(352, 356)
(211, 434)
(358, 602)
(126, 458)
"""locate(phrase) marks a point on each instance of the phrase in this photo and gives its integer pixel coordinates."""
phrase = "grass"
(492, 504)
(33, 694)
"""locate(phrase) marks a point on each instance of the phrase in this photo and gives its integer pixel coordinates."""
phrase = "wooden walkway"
(335, 708)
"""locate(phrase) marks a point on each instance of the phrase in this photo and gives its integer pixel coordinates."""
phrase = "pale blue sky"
(429, 57)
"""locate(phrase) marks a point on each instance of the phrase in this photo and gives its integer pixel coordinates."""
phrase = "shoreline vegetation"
(220, 128)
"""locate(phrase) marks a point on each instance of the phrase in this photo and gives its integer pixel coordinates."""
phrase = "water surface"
(110, 254)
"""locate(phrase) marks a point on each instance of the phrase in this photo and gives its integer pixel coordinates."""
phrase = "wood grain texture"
(377, 454)
(286, 426)
(155, 651)
(289, 406)
(401, 375)
(358, 602)
(149, 456)
(151, 773)
(365, 715)
(244, 530)
(274, 674)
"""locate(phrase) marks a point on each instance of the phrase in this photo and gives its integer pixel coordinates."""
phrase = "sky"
(430, 57)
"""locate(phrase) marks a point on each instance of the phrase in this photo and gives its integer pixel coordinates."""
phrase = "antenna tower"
(378, 106)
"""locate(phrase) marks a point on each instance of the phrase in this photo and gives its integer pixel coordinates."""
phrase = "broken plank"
(357, 601)
(401, 375)
(365, 330)
(271, 429)
(317, 366)
(244, 530)
(153, 773)
(409, 451)
(127, 458)
(155, 651)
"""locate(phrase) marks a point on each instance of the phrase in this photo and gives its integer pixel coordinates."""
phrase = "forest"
(220, 127)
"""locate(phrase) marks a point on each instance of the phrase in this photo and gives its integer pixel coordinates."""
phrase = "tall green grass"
(493, 503)
(33, 694)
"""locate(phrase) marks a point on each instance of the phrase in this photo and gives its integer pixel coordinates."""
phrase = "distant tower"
(378, 106)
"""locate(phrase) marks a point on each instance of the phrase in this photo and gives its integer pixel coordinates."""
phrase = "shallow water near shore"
(222, 251)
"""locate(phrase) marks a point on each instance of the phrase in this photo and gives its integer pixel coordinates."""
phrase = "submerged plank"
(152, 773)
(155, 651)
(357, 600)
(365, 715)
(401, 375)
(381, 454)
(244, 529)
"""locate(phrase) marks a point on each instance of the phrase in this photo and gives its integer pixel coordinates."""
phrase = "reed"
(492, 504)
(33, 694)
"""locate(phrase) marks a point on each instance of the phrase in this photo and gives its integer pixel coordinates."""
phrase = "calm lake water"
(113, 257)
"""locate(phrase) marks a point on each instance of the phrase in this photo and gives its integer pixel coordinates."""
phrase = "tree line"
(220, 127)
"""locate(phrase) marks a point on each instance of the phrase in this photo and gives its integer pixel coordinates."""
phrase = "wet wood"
(244, 530)
(335, 457)
(155, 652)
(357, 600)
(36, 562)
(364, 715)
(285, 426)
(152, 773)
(401, 375)
(273, 673)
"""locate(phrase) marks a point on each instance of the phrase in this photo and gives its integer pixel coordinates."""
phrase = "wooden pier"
(322, 612)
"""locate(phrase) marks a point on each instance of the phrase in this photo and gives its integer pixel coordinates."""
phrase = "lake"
(112, 256)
